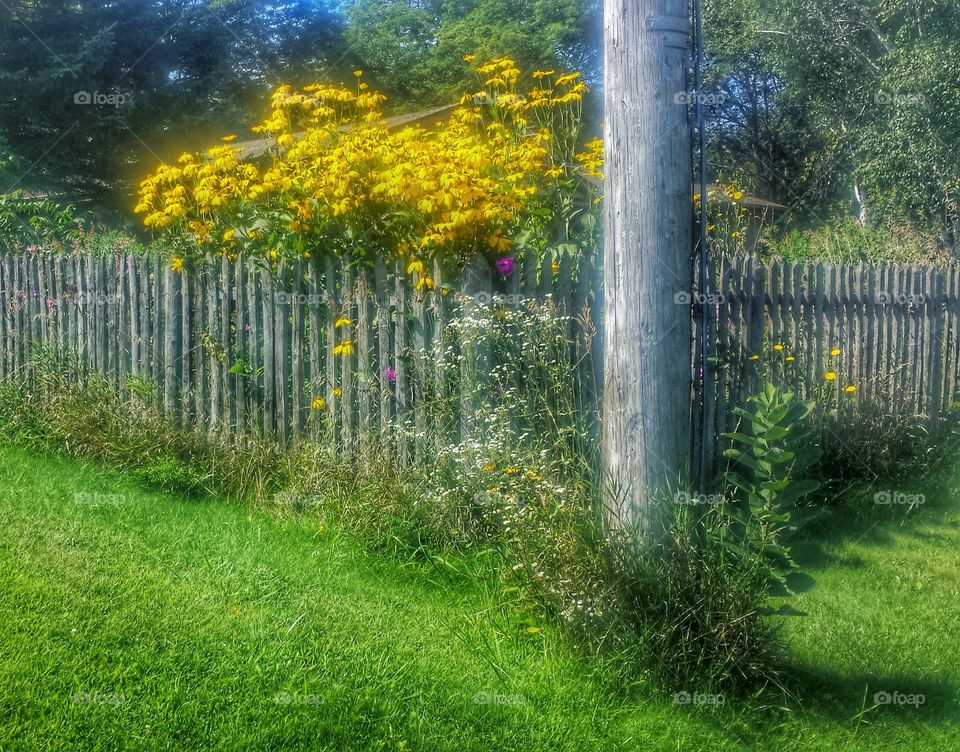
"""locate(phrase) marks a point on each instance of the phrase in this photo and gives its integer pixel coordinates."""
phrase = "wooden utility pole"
(647, 266)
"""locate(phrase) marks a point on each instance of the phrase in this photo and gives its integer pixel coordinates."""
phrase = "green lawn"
(131, 620)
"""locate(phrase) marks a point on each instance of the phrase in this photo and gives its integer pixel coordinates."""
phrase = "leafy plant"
(768, 454)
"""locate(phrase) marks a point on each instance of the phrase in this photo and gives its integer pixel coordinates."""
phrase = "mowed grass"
(131, 620)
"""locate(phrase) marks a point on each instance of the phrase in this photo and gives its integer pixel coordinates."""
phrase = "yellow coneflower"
(850, 389)
(830, 376)
(337, 392)
(341, 321)
(318, 403)
(835, 352)
(344, 348)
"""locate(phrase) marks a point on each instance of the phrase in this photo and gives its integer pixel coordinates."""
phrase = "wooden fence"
(883, 336)
(245, 348)
(241, 348)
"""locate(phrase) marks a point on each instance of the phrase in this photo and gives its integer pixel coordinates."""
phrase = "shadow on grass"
(856, 517)
(841, 697)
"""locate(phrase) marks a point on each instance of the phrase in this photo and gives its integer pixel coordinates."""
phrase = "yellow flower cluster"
(338, 173)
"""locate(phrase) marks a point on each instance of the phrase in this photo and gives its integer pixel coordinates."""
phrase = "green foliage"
(822, 97)
(847, 242)
(66, 407)
(688, 605)
(171, 475)
(769, 454)
(26, 222)
(90, 91)
(407, 46)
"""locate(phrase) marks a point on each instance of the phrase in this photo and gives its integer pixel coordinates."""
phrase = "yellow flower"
(176, 265)
(342, 321)
(231, 137)
(778, 347)
(850, 389)
(358, 73)
(830, 376)
(469, 58)
(790, 359)
(555, 268)
(489, 466)
(337, 391)
(835, 352)
(318, 403)
(511, 470)
(499, 243)
(344, 348)
(754, 357)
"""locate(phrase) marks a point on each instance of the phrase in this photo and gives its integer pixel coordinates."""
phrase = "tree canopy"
(828, 104)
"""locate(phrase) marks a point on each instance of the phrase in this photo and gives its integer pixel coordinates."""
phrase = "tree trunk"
(647, 277)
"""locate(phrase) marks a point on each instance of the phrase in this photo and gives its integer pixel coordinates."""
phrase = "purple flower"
(506, 265)
(390, 373)
(247, 327)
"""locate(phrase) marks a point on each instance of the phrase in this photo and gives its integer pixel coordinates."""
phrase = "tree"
(647, 278)
(840, 104)
(406, 46)
(92, 91)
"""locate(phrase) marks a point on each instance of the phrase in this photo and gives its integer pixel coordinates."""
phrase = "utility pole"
(647, 257)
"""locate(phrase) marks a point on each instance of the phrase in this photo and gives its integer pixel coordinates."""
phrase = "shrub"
(847, 242)
(27, 222)
(496, 172)
(769, 456)
(689, 606)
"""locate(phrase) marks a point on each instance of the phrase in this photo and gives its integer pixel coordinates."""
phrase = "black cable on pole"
(704, 286)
